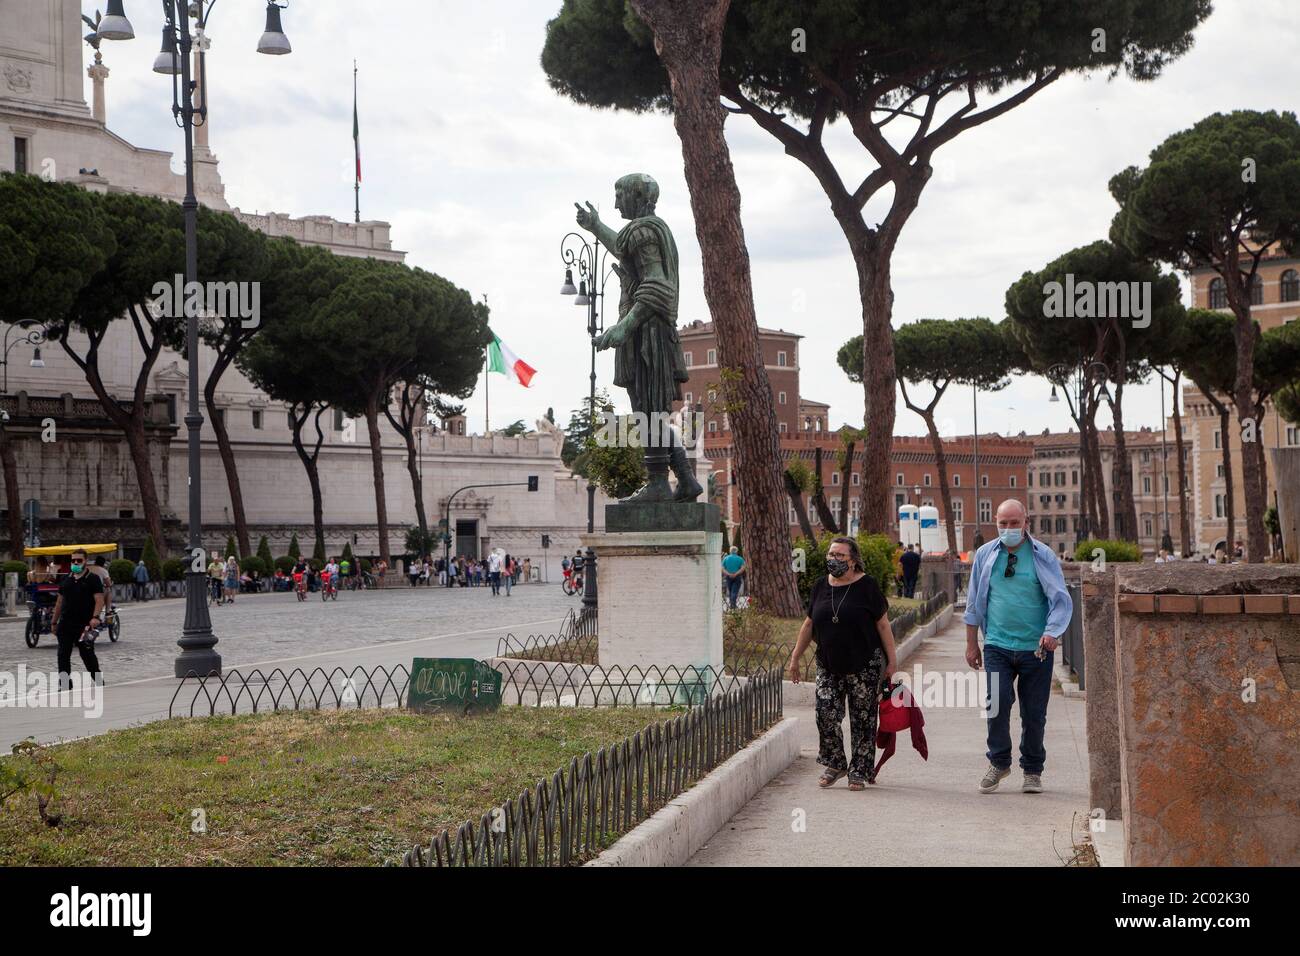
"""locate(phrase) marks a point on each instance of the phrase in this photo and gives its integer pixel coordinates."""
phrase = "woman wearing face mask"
(848, 617)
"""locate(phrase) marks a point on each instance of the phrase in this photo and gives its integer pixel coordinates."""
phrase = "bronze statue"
(648, 359)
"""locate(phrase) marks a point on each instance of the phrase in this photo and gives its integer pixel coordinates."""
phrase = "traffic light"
(532, 482)
(546, 541)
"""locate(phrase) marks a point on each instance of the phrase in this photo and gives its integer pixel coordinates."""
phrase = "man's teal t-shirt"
(732, 563)
(1017, 610)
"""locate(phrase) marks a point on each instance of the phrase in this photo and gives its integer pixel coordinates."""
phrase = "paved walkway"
(274, 630)
(924, 813)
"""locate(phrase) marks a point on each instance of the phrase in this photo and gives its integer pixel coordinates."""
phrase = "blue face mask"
(1010, 536)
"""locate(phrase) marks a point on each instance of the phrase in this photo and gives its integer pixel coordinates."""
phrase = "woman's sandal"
(829, 777)
(857, 783)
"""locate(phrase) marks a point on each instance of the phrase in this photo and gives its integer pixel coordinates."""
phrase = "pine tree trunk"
(132, 426)
(688, 39)
(941, 465)
(824, 512)
(313, 473)
(377, 463)
(1127, 506)
(800, 511)
(877, 383)
(1245, 334)
(13, 501)
(227, 453)
(846, 470)
(417, 485)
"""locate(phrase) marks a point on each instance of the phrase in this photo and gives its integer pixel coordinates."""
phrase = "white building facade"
(84, 479)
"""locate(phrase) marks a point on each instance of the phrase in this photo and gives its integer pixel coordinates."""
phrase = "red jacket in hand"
(898, 712)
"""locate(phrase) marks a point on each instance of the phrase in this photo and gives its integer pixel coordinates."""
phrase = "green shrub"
(295, 551)
(121, 570)
(264, 552)
(232, 550)
(347, 555)
(19, 566)
(253, 563)
(173, 569)
(1115, 550)
(366, 565)
(318, 549)
(879, 557)
(284, 564)
(315, 563)
(152, 560)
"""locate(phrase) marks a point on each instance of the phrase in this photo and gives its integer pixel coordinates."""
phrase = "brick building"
(804, 426)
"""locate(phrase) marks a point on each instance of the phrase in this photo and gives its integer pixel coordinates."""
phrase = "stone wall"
(1208, 693)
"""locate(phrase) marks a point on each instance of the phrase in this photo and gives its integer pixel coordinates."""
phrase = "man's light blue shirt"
(1048, 570)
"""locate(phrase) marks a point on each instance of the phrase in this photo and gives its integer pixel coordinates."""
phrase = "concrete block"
(1099, 677)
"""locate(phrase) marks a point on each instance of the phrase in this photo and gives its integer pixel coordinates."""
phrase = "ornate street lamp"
(198, 643)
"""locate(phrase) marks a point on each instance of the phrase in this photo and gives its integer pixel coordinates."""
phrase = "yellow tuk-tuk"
(42, 592)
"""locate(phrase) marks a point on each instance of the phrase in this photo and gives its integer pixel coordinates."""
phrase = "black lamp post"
(198, 643)
(594, 269)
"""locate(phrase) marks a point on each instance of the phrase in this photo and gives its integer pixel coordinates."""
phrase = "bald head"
(1011, 508)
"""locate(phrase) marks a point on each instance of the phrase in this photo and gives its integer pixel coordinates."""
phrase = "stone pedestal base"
(660, 590)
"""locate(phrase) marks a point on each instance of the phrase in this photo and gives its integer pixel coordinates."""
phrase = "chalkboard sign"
(458, 685)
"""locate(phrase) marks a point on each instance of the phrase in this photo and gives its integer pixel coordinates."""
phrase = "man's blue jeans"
(733, 591)
(1009, 672)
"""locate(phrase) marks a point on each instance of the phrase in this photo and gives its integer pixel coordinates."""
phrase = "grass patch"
(307, 788)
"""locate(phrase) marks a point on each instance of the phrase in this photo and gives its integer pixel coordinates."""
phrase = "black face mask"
(837, 567)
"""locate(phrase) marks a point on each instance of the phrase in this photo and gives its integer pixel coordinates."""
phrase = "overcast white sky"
(477, 163)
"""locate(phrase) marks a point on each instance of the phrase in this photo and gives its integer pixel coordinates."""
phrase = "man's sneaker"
(993, 777)
(1033, 783)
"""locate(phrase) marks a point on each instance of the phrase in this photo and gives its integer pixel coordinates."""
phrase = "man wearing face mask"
(1017, 595)
(80, 602)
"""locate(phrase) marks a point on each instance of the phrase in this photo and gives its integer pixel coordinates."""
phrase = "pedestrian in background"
(733, 569)
(141, 576)
(911, 563)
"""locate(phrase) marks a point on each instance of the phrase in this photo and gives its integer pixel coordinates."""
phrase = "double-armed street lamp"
(198, 643)
(591, 259)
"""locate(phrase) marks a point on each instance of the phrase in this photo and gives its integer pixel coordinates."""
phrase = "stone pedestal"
(660, 585)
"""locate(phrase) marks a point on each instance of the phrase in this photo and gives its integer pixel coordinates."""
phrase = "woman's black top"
(846, 647)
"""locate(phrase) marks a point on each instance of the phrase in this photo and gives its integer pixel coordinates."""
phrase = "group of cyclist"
(337, 573)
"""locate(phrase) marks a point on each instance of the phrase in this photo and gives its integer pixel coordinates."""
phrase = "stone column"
(200, 94)
(98, 72)
(1208, 686)
(1099, 678)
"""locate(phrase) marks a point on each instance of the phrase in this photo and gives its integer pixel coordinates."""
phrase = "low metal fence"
(576, 643)
(581, 809)
(1072, 639)
(523, 684)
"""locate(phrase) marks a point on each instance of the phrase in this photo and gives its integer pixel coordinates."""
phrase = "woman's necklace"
(835, 608)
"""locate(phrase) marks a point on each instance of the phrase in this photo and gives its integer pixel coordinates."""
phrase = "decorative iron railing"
(583, 808)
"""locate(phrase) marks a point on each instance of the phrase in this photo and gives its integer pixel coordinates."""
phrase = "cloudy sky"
(477, 164)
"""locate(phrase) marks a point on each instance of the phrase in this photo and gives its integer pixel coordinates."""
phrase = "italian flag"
(501, 359)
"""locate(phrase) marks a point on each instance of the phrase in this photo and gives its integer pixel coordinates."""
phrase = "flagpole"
(356, 142)
(487, 377)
